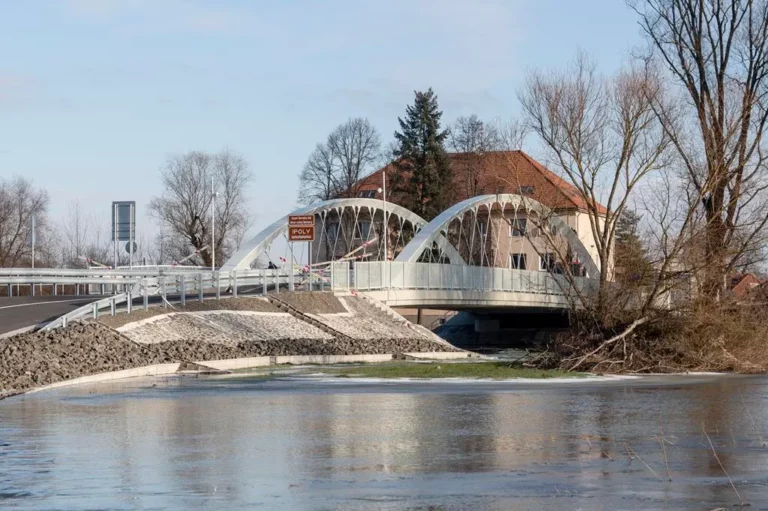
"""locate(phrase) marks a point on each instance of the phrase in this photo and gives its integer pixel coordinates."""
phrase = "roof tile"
(503, 172)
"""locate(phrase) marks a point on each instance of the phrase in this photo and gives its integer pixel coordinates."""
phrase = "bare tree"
(318, 180)
(83, 240)
(471, 135)
(74, 237)
(472, 139)
(717, 53)
(511, 134)
(184, 208)
(20, 200)
(603, 137)
(336, 166)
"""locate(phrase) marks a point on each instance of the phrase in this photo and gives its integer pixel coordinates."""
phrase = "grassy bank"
(486, 370)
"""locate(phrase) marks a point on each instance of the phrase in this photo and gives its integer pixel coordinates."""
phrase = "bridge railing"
(363, 276)
(374, 276)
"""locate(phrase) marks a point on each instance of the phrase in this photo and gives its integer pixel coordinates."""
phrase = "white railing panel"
(435, 276)
(340, 275)
(498, 279)
(396, 275)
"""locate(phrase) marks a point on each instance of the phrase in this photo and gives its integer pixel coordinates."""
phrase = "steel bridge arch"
(250, 250)
(437, 228)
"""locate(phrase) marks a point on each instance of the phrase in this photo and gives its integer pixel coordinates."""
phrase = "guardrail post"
(146, 295)
(64, 321)
(10, 289)
(276, 275)
(183, 290)
(112, 306)
(95, 310)
(199, 287)
(129, 301)
(234, 284)
(101, 289)
(54, 289)
(218, 286)
(77, 289)
(263, 282)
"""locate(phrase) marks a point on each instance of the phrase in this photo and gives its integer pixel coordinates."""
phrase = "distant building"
(741, 285)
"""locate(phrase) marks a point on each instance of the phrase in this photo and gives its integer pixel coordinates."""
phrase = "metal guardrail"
(191, 286)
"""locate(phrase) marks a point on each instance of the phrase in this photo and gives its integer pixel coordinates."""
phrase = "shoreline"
(178, 368)
(294, 373)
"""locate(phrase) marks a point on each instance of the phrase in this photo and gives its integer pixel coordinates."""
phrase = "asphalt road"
(22, 311)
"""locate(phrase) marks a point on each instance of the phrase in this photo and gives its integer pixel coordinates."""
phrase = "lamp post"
(213, 226)
(385, 233)
(34, 242)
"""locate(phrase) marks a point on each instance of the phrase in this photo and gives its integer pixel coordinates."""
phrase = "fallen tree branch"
(610, 341)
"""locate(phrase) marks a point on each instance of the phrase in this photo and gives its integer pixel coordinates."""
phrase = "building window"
(518, 261)
(518, 227)
(363, 230)
(548, 261)
(527, 190)
(368, 194)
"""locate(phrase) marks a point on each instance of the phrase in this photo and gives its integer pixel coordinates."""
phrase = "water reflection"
(304, 445)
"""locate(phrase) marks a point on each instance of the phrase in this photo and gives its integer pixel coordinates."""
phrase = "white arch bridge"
(451, 262)
(456, 261)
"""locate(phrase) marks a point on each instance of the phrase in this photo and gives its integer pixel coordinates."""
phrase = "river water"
(301, 443)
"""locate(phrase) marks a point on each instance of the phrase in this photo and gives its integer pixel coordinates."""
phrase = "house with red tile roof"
(510, 172)
(498, 172)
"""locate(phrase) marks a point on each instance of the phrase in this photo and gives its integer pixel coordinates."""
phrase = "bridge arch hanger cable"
(439, 228)
(249, 251)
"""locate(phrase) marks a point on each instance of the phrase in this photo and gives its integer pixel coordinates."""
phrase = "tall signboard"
(124, 226)
(301, 228)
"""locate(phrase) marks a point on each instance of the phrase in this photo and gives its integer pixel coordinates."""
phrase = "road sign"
(128, 247)
(301, 227)
(301, 233)
(124, 227)
(301, 220)
(123, 220)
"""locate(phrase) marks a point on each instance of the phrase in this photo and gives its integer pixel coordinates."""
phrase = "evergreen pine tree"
(422, 179)
(632, 265)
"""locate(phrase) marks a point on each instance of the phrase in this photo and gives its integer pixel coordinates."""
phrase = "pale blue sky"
(95, 94)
